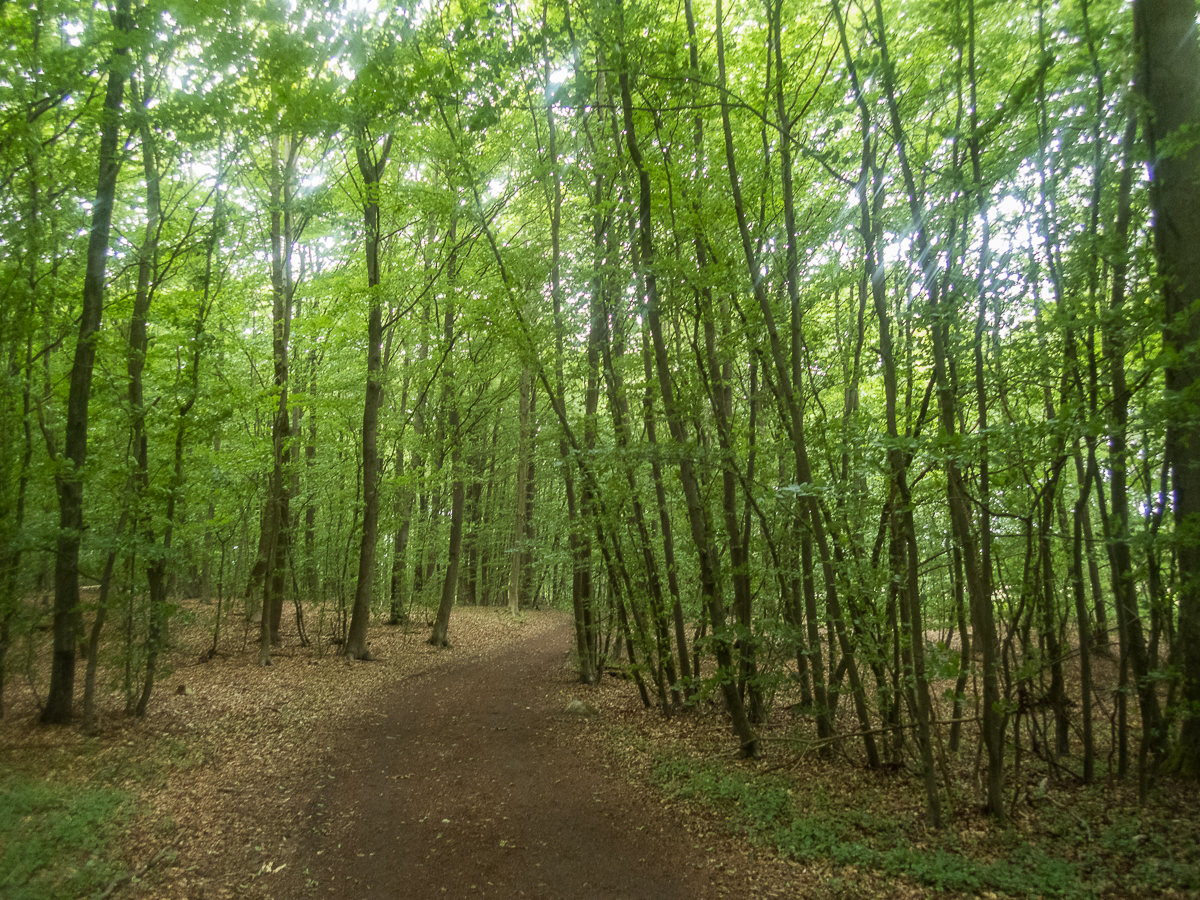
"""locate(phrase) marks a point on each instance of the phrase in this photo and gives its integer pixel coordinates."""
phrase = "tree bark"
(371, 167)
(785, 384)
(398, 607)
(276, 522)
(441, 626)
(1169, 79)
(69, 479)
(516, 552)
(586, 637)
(701, 527)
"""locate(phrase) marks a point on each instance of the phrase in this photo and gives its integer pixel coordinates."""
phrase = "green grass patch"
(55, 839)
(805, 826)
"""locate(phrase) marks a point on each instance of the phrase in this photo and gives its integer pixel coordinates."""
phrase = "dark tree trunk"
(517, 556)
(370, 167)
(398, 608)
(277, 522)
(69, 480)
(441, 626)
(664, 518)
(905, 555)
(138, 348)
(701, 527)
(586, 650)
(1169, 80)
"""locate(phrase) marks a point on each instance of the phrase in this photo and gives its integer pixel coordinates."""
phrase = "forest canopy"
(835, 347)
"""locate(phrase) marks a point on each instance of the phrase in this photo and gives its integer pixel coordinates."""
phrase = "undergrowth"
(56, 839)
(1068, 859)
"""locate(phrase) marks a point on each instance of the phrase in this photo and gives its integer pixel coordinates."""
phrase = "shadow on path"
(465, 783)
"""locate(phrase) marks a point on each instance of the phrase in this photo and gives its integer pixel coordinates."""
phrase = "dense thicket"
(805, 346)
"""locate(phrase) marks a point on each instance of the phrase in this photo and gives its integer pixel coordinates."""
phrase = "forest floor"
(460, 773)
(422, 773)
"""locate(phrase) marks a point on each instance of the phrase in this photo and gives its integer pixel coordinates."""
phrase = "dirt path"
(471, 782)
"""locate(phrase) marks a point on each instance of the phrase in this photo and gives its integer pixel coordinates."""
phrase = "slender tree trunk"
(69, 479)
(491, 549)
(587, 659)
(398, 611)
(1099, 156)
(664, 517)
(785, 384)
(702, 531)
(277, 522)
(516, 554)
(311, 578)
(618, 403)
(1115, 525)
(1083, 623)
(529, 501)
(138, 348)
(982, 612)
(420, 473)
(371, 165)
(88, 725)
(441, 625)
(159, 613)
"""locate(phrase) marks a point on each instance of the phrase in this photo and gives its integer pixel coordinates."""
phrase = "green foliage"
(807, 826)
(1153, 859)
(56, 839)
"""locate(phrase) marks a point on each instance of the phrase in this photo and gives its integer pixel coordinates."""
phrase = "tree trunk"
(516, 553)
(156, 639)
(664, 518)
(398, 611)
(278, 521)
(613, 351)
(870, 191)
(69, 479)
(1169, 79)
(441, 625)
(701, 527)
(138, 349)
(371, 167)
(587, 659)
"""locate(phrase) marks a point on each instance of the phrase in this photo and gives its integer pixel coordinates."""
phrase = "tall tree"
(69, 480)
(699, 516)
(372, 160)
(1169, 79)
(441, 626)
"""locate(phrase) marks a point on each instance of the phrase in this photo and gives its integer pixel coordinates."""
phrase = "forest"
(837, 350)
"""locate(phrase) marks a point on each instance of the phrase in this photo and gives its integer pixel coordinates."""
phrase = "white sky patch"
(495, 188)
(199, 170)
(74, 31)
(366, 7)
